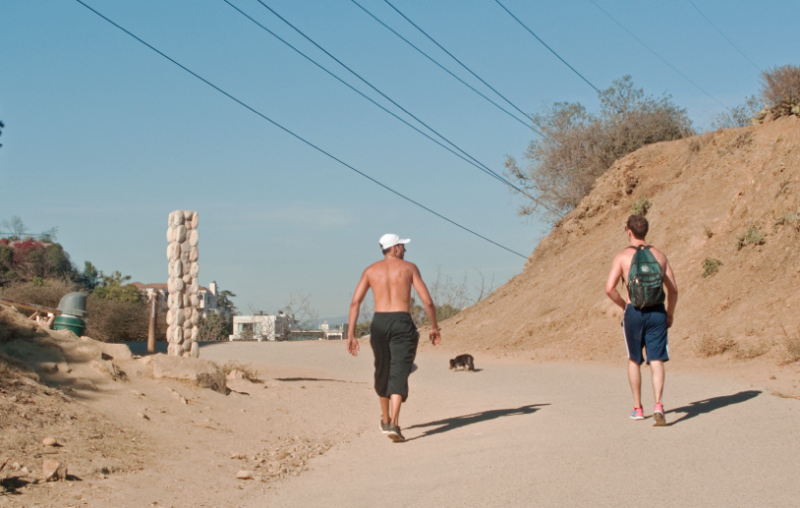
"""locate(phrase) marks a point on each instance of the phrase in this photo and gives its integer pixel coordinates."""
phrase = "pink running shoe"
(638, 414)
(658, 416)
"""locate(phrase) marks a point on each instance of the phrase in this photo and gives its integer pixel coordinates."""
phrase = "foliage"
(791, 345)
(711, 344)
(751, 236)
(91, 277)
(641, 206)
(14, 227)
(225, 304)
(711, 266)
(363, 329)
(49, 293)
(579, 146)
(738, 116)
(781, 90)
(248, 371)
(215, 327)
(115, 320)
(113, 288)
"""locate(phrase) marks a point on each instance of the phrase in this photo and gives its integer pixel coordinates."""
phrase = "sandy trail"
(523, 434)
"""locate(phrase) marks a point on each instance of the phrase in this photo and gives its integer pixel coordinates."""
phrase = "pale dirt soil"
(544, 421)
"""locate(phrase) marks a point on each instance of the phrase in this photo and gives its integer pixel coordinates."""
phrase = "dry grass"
(750, 350)
(248, 371)
(741, 140)
(47, 294)
(710, 344)
(751, 236)
(14, 325)
(791, 345)
(641, 206)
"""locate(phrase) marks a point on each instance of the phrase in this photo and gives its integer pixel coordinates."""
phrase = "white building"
(258, 327)
(208, 296)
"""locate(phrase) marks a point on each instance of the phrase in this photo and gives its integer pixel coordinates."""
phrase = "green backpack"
(645, 280)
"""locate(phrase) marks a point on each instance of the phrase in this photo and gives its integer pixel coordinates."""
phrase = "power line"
(291, 133)
(722, 34)
(454, 58)
(373, 87)
(444, 68)
(657, 55)
(351, 87)
(548, 47)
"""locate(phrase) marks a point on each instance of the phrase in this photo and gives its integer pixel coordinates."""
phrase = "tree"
(579, 146)
(214, 327)
(299, 309)
(225, 304)
(91, 277)
(113, 287)
(13, 227)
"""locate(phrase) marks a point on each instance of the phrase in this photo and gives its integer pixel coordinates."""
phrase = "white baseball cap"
(390, 240)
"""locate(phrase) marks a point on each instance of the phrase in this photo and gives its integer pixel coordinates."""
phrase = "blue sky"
(104, 138)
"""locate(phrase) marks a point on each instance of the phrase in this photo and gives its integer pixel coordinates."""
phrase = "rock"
(117, 351)
(201, 372)
(195, 352)
(48, 367)
(245, 475)
(54, 470)
(64, 367)
(143, 416)
(49, 441)
(107, 368)
(137, 393)
(235, 374)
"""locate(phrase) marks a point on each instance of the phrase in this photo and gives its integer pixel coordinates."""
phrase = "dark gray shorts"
(394, 339)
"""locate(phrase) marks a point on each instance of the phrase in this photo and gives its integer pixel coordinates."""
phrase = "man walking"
(393, 335)
(645, 272)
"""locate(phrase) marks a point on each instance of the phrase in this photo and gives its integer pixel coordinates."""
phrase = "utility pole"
(151, 330)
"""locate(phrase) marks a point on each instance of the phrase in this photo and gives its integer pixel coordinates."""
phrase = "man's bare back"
(391, 280)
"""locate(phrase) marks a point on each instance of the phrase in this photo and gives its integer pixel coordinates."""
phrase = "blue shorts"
(646, 329)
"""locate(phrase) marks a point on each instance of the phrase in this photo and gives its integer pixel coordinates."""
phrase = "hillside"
(705, 192)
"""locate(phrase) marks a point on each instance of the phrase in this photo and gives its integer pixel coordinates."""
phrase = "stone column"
(183, 314)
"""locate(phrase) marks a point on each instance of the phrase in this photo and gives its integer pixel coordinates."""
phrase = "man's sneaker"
(394, 433)
(385, 426)
(658, 416)
(638, 414)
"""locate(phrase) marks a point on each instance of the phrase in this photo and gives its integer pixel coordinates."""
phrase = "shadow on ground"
(706, 406)
(449, 424)
(292, 379)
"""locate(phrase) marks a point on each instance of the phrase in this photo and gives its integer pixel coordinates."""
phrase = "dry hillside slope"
(705, 192)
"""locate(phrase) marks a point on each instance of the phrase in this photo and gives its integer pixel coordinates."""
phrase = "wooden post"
(151, 330)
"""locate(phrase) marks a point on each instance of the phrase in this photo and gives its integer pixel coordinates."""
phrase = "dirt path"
(520, 434)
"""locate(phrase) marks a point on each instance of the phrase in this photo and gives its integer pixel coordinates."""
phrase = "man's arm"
(611, 283)
(355, 307)
(672, 294)
(427, 301)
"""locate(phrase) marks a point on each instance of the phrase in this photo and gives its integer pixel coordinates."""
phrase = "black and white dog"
(464, 361)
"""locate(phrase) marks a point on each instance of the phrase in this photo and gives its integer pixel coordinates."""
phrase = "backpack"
(645, 279)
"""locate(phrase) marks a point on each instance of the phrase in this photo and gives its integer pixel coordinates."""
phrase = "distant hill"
(713, 197)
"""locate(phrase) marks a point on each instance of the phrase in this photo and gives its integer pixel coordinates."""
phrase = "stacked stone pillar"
(183, 300)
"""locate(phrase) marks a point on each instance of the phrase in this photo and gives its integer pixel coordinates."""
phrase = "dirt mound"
(728, 200)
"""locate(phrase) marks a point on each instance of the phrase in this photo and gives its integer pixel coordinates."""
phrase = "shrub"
(111, 320)
(641, 206)
(752, 236)
(709, 344)
(579, 146)
(49, 293)
(710, 266)
(791, 345)
(781, 90)
(750, 350)
(738, 116)
(247, 370)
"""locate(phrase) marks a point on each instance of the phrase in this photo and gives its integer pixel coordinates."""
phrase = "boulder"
(116, 351)
(201, 372)
(54, 470)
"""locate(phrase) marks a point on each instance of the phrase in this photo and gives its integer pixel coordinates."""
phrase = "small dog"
(465, 361)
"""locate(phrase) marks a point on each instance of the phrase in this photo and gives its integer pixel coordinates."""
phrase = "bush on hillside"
(27, 259)
(49, 293)
(111, 320)
(781, 90)
(738, 116)
(579, 146)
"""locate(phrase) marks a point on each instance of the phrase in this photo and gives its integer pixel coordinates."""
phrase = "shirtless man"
(644, 328)
(394, 337)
